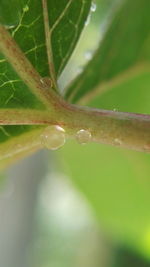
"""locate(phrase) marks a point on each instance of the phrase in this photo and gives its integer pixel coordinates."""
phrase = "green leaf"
(25, 20)
(124, 48)
(66, 21)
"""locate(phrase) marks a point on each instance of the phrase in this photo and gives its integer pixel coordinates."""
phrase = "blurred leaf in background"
(116, 181)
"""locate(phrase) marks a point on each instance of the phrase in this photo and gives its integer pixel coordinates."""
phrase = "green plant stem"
(48, 44)
(115, 128)
(122, 129)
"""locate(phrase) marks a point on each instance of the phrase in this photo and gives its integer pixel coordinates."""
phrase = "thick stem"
(109, 127)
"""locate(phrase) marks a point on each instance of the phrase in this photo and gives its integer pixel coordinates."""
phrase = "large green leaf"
(25, 21)
(123, 48)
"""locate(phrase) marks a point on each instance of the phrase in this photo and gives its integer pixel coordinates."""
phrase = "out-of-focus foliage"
(116, 181)
(123, 47)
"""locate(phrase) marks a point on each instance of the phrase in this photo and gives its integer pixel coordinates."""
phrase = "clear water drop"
(88, 20)
(88, 55)
(53, 137)
(93, 7)
(83, 136)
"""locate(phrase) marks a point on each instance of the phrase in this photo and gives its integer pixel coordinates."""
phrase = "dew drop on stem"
(53, 137)
(83, 136)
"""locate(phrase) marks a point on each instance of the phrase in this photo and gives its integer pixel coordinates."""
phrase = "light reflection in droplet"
(53, 137)
(83, 136)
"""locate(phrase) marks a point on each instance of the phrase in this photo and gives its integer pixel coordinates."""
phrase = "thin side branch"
(48, 44)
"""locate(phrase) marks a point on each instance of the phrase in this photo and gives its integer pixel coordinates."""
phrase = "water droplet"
(93, 7)
(117, 141)
(26, 8)
(88, 20)
(53, 137)
(83, 136)
(88, 55)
